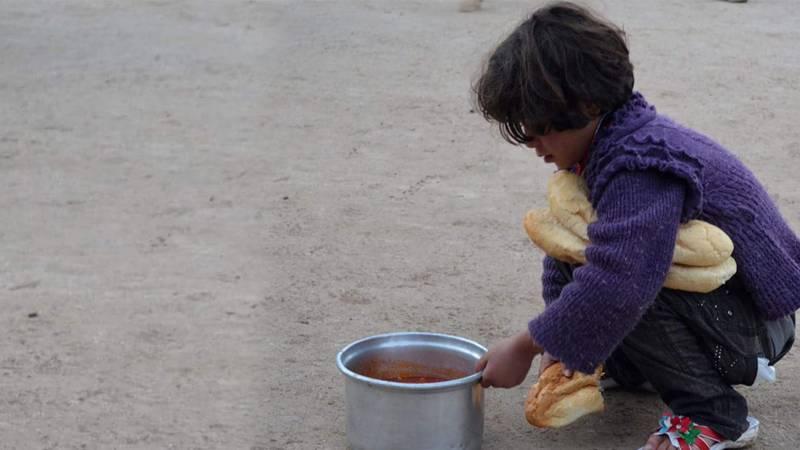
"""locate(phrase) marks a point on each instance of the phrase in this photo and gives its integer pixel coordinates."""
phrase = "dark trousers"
(694, 347)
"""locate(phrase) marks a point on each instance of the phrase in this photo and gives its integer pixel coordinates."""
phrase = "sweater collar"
(626, 119)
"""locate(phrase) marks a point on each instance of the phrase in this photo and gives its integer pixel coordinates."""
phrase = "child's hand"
(507, 363)
(547, 361)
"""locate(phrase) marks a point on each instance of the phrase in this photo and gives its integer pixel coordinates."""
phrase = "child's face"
(565, 148)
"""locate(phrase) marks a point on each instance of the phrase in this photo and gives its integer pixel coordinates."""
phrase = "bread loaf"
(698, 243)
(701, 244)
(557, 241)
(700, 279)
(701, 260)
(567, 196)
(560, 243)
(555, 400)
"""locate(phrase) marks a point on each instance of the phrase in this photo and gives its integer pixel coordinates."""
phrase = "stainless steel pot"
(393, 415)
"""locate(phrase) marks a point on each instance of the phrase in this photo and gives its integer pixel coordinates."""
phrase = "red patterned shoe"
(684, 434)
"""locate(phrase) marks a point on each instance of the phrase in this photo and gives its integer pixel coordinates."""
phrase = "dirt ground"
(203, 201)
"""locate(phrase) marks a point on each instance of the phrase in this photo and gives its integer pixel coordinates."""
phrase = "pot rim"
(412, 387)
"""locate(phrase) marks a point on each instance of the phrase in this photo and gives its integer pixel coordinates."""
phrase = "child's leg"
(624, 373)
(779, 338)
(668, 354)
(693, 347)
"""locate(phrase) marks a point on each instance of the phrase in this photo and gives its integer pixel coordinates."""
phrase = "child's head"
(558, 70)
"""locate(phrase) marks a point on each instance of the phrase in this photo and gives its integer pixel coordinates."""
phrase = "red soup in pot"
(406, 371)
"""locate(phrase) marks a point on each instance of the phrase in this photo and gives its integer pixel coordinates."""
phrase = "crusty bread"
(549, 235)
(560, 243)
(700, 279)
(701, 244)
(701, 260)
(567, 196)
(698, 243)
(555, 400)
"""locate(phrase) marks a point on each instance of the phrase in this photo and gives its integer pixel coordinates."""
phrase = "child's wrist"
(526, 343)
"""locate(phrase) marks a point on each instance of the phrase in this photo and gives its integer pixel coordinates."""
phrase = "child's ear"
(591, 109)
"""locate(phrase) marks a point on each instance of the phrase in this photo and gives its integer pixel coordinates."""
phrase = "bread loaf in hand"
(555, 400)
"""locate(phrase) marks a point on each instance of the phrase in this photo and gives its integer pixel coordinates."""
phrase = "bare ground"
(203, 201)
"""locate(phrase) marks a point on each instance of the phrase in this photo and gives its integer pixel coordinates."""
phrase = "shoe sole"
(746, 439)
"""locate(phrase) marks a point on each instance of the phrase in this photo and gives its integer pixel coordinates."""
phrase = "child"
(562, 84)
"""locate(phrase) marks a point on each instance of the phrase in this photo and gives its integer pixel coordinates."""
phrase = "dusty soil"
(203, 201)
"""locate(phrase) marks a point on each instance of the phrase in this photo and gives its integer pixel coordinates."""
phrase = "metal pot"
(413, 391)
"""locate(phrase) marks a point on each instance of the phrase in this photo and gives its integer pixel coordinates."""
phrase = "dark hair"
(552, 70)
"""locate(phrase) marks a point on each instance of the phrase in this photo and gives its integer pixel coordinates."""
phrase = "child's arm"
(632, 246)
(507, 362)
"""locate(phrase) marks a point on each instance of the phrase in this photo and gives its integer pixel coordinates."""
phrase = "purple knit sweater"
(646, 175)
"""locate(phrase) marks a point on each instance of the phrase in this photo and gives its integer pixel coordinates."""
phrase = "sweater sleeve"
(553, 280)
(632, 243)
